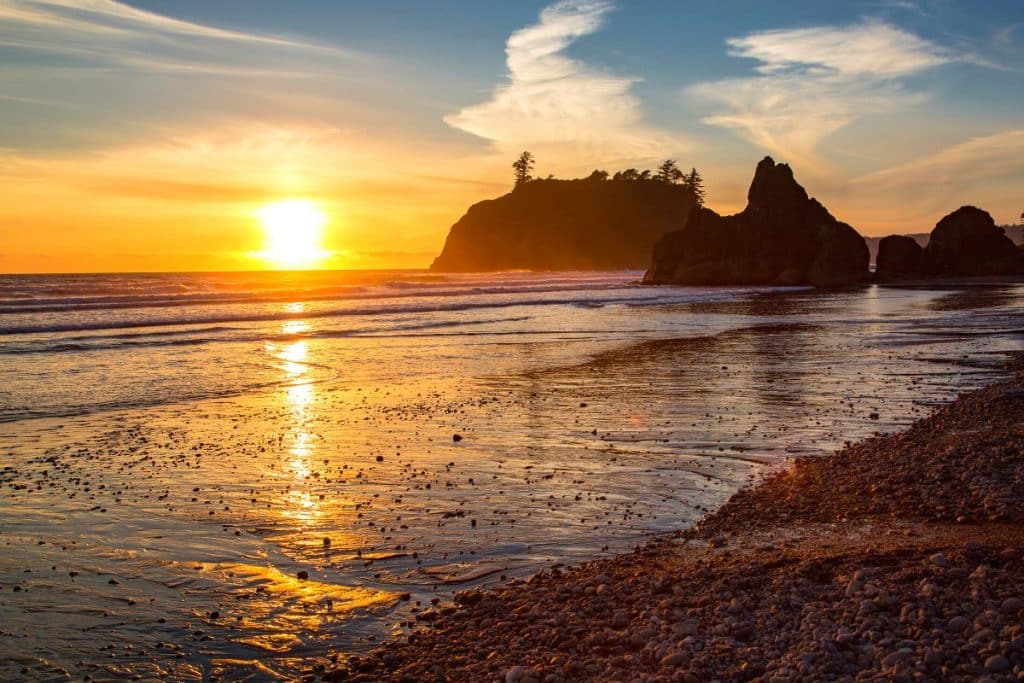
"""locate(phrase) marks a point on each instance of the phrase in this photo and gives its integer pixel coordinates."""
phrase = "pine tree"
(695, 184)
(523, 168)
(668, 172)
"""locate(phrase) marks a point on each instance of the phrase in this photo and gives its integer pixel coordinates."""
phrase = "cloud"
(106, 32)
(997, 156)
(985, 171)
(813, 81)
(552, 99)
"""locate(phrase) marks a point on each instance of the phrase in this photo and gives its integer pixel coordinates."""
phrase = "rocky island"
(965, 243)
(782, 237)
(595, 223)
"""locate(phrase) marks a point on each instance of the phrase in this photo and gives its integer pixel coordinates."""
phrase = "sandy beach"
(899, 558)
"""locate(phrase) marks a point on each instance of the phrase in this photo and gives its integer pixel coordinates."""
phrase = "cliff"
(782, 237)
(585, 224)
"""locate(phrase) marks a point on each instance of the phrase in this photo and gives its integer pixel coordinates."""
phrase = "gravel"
(899, 558)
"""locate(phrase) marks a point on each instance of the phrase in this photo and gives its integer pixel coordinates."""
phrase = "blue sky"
(893, 112)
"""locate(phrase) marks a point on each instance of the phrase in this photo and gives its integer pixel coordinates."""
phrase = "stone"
(997, 664)
(782, 237)
(968, 242)
(899, 256)
(959, 624)
(673, 659)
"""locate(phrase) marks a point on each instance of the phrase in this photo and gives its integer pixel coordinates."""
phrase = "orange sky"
(133, 140)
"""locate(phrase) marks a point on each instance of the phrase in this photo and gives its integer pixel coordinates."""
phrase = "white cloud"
(813, 81)
(113, 33)
(872, 48)
(552, 99)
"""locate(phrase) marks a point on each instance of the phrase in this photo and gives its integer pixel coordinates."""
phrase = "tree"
(644, 175)
(628, 174)
(598, 175)
(668, 172)
(523, 168)
(695, 185)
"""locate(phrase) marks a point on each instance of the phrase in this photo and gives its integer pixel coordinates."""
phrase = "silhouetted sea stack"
(968, 242)
(584, 224)
(783, 237)
(899, 256)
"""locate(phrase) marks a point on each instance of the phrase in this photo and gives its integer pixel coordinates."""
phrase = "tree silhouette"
(628, 174)
(695, 184)
(668, 172)
(598, 175)
(523, 168)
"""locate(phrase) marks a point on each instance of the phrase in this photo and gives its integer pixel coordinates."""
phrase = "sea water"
(238, 475)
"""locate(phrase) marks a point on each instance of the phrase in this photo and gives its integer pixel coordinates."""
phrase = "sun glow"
(293, 229)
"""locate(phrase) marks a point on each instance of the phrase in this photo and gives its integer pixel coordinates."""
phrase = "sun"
(293, 229)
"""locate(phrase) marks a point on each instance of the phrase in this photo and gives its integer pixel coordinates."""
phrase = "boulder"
(899, 256)
(782, 237)
(968, 242)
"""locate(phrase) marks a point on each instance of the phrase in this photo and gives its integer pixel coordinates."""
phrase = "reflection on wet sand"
(247, 535)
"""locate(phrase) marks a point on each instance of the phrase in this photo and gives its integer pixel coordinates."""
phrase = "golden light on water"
(293, 231)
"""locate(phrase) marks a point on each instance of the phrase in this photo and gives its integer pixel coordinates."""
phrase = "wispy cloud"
(553, 99)
(996, 156)
(813, 81)
(984, 171)
(106, 32)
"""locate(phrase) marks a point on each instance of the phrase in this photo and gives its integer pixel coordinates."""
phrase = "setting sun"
(293, 230)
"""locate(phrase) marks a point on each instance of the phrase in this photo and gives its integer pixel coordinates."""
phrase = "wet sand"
(250, 536)
(899, 558)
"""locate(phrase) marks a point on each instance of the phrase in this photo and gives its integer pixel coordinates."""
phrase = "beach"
(898, 558)
(243, 476)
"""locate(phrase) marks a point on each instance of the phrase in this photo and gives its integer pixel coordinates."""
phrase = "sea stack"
(782, 237)
(899, 256)
(550, 224)
(968, 243)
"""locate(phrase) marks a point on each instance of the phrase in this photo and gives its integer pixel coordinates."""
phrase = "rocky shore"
(899, 558)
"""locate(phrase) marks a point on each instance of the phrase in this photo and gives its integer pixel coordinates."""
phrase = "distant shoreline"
(898, 555)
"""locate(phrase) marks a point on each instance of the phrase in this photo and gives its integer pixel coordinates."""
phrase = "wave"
(406, 290)
(444, 301)
(106, 342)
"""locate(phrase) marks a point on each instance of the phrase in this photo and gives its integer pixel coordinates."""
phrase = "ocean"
(235, 476)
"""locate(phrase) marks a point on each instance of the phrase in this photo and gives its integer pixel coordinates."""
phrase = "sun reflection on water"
(299, 398)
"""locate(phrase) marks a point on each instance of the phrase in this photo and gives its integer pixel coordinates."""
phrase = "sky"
(152, 135)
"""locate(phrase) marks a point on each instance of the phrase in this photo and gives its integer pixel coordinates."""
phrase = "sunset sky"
(153, 135)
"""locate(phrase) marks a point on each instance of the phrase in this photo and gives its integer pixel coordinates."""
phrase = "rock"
(673, 659)
(468, 597)
(939, 560)
(997, 664)
(959, 624)
(898, 256)
(968, 242)
(781, 237)
(1012, 606)
(689, 627)
(515, 674)
(582, 224)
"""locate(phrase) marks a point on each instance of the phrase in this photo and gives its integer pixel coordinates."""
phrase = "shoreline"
(899, 556)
